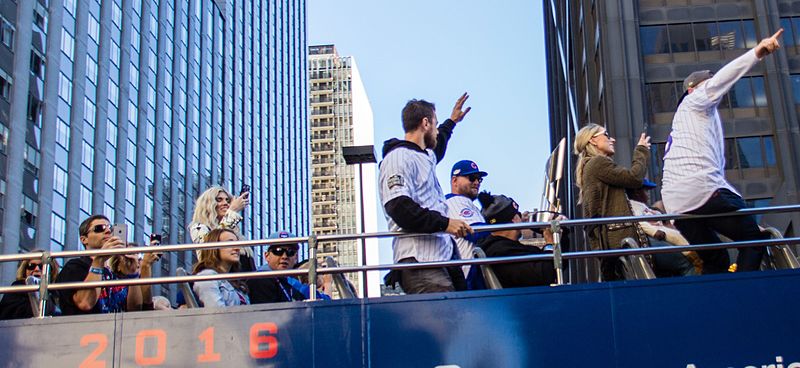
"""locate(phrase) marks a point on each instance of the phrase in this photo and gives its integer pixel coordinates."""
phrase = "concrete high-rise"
(132, 108)
(621, 64)
(341, 116)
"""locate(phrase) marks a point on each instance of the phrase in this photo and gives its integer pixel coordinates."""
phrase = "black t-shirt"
(531, 273)
(271, 290)
(110, 300)
(16, 305)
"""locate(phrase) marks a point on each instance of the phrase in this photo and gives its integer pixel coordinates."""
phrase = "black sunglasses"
(279, 251)
(475, 177)
(33, 266)
(100, 228)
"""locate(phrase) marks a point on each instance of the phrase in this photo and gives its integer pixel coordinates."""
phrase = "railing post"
(312, 267)
(44, 292)
(558, 264)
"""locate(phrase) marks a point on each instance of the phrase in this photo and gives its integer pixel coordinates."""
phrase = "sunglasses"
(279, 251)
(33, 266)
(473, 178)
(226, 199)
(605, 133)
(100, 228)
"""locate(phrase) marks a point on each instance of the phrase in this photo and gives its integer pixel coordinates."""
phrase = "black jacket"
(532, 273)
(408, 214)
(267, 290)
(15, 305)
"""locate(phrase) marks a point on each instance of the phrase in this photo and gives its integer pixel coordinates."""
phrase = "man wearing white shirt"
(465, 184)
(694, 165)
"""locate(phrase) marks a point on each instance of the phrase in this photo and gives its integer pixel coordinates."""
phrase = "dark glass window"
(789, 34)
(731, 161)
(731, 35)
(769, 152)
(706, 36)
(654, 40)
(750, 152)
(796, 87)
(741, 95)
(681, 39)
(663, 96)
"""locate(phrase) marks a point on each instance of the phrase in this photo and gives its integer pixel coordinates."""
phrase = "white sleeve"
(716, 87)
(396, 176)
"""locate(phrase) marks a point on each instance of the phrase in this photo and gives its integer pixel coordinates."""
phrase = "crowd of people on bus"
(414, 201)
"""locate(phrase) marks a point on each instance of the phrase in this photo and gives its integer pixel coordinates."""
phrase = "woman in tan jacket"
(602, 185)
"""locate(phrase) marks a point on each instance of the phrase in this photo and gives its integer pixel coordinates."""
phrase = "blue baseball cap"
(466, 167)
(647, 184)
(281, 235)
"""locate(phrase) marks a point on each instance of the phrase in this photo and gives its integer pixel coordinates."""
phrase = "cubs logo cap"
(466, 167)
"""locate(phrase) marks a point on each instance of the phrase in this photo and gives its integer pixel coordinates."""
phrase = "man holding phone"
(95, 233)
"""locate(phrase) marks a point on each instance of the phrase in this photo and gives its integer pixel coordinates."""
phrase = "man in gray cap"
(694, 164)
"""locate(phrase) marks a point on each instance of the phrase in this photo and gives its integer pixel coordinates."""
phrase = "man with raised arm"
(694, 164)
(414, 202)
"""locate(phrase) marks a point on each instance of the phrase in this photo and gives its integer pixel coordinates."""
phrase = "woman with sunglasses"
(602, 185)
(219, 293)
(217, 209)
(17, 305)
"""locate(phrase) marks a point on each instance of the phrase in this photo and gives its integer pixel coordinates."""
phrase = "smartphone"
(120, 231)
(245, 189)
(155, 239)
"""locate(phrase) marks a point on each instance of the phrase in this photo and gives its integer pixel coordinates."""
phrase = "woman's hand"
(644, 140)
(240, 202)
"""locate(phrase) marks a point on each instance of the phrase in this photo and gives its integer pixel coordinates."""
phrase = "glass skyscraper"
(132, 108)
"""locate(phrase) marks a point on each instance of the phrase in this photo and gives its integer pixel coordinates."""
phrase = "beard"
(430, 140)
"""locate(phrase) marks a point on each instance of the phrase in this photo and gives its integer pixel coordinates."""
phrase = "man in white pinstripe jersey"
(694, 165)
(413, 200)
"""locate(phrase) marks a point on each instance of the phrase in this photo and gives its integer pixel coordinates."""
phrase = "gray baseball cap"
(695, 78)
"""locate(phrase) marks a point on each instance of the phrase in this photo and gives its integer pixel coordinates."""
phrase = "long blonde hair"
(584, 150)
(205, 208)
(23, 265)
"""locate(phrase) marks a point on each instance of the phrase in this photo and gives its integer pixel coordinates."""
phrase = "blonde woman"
(219, 293)
(602, 185)
(217, 209)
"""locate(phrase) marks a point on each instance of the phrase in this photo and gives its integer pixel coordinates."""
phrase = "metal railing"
(557, 257)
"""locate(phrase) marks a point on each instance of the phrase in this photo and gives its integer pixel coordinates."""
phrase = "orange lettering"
(208, 356)
(256, 339)
(91, 361)
(161, 347)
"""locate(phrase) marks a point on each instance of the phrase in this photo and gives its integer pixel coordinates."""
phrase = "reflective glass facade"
(621, 64)
(132, 108)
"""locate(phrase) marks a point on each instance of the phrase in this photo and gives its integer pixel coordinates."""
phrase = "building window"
(701, 36)
(37, 64)
(94, 28)
(89, 111)
(86, 199)
(62, 132)
(57, 230)
(67, 43)
(6, 33)
(5, 86)
(87, 155)
(65, 88)
(91, 70)
(60, 180)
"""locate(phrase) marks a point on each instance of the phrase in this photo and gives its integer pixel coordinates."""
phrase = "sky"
(437, 50)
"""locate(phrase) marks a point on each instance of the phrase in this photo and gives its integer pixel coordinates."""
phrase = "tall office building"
(341, 116)
(622, 63)
(132, 108)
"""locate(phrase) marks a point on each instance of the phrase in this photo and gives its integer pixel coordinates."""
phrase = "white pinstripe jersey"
(463, 208)
(406, 172)
(694, 158)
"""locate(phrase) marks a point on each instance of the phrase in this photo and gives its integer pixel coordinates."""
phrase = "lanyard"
(286, 293)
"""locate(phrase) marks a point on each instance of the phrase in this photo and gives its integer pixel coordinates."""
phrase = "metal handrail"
(386, 234)
(313, 240)
(403, 266)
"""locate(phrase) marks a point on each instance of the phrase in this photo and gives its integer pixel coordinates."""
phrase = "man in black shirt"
(276, 289)
(95, 233)
(500, 209)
